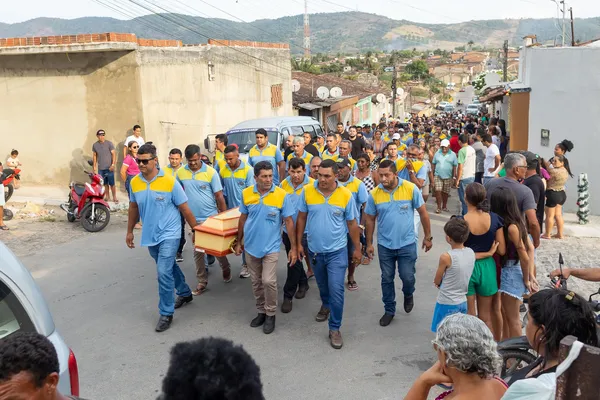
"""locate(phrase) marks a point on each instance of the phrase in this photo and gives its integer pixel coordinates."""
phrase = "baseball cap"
(100, 132)
(343, 162)
(396, 136)
(400, 130)
(445, 143)
(531, 158)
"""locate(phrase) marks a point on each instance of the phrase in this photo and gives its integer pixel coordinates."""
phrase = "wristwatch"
(429, 239)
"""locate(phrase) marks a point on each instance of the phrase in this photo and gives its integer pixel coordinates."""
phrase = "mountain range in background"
(343, 32)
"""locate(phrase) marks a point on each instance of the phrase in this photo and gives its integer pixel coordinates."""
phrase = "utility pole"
(505, 62)
(572, 28)
(394, 81)
(306, 32)
(563, 22)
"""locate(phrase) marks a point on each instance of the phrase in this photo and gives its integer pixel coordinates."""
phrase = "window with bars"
(276, 95)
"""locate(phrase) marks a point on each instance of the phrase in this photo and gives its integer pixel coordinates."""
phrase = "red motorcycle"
(7, 177)
(86, 202)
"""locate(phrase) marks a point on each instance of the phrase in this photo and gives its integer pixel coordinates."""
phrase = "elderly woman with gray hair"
(467, 359)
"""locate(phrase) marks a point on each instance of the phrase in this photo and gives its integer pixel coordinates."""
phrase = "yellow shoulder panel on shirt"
(312, 196)
(405, 191)
(340, 197)
(287, 187)
(380, 196)
(183, 174)
(205, 176)
(276, 198)
(137, 184)
(225, 172)
(354, 185)
(249, 197)
(163, 184)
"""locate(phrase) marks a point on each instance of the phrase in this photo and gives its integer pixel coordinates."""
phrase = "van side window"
(297, 130)
(285, 133)
(319, 130)
(310, 129)
(13, 317)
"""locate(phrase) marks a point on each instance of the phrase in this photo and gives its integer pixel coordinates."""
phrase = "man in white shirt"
(465, 173)
(137, 137)
(492, 158)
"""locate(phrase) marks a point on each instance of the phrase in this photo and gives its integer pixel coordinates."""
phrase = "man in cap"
(444, 165)
(320, 145)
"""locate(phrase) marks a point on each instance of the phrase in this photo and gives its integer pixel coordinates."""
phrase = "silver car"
(23, 309)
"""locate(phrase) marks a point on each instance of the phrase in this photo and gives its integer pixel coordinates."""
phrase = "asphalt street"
(103, 297)
(465, 97)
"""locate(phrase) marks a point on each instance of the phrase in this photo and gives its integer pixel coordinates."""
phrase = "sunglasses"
(135, 147)
(144, 162)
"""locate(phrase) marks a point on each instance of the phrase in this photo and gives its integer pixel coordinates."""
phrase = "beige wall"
(52, 105)
(182, 106)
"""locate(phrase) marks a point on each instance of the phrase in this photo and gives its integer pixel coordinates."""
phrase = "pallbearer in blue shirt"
(205, 193)
(263, 207)
(297, 281)
(299, 152)
(265, 151)
(360, 195)
(392, 205)
(327, 211)
(236, 176)
(175, 158)
(158, 199)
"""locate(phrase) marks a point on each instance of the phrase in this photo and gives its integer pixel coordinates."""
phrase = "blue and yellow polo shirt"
(320, 149)
(395, 213)
(327, 155)
(158, 202)
(327, 218)
(262, 230)
(270, 153)
(306, 157)
(170, 170)
(219, 156)
(359, 193)
(236, 181)
(420, 172)
(200, 188)
(294, 194)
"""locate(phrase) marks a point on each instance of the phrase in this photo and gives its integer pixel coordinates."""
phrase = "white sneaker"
(244, 273)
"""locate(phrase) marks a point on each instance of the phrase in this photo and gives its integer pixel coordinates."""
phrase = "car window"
(285, 133)
(13, 317)
(297, 130)
(319, 130)
(310, 129)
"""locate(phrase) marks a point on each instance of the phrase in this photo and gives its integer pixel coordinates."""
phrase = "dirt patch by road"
(48, 227)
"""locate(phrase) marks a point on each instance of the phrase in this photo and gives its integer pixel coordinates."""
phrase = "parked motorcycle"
(516, 352)
(7, 177)
(86, 202)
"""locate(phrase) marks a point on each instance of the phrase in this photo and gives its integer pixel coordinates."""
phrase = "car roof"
(14, 274)
(273, 122)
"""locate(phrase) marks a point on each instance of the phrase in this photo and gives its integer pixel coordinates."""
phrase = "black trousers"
(296, 276)
(182, 240)
(479, 177)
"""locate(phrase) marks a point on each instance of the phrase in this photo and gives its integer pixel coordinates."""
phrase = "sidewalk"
(47, 195)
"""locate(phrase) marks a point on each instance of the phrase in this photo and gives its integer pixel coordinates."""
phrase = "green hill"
(343, 32)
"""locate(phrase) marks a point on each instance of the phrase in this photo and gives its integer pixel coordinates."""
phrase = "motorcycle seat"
(79, 188)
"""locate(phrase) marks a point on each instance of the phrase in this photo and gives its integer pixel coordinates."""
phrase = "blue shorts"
(511, 282)
(108, 176)
(441, 311)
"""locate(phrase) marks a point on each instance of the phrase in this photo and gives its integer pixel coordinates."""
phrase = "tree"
(417, 69)
(479, 82)
(305, 65)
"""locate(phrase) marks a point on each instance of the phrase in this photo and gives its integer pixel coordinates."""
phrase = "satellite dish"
(295, 85)
(363, 79)
(380, 98)
(335, 92)
(322, 92)
(400, 91)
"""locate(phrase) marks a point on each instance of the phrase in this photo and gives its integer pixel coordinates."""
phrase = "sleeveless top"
(448, 392)
(369, 182)
(483, 243)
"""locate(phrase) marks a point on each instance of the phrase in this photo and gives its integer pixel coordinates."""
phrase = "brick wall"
(125, 38)
(87, 38)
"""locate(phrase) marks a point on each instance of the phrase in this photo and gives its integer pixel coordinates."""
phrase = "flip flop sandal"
(4, 228)
(445, 210)
(199, 290)
(438, 211)
(310, 276)
(352, 285)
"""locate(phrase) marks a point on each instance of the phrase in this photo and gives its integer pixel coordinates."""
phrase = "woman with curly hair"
(467, 359)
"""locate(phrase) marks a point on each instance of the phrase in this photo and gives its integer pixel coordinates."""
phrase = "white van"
(278, 129)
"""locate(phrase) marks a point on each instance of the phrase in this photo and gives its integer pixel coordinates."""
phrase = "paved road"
(103, 297)
(465, 97)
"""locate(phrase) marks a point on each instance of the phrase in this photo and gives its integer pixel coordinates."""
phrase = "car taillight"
(73, 374)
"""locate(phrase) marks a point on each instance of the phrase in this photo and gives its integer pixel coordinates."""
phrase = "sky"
(430, 11)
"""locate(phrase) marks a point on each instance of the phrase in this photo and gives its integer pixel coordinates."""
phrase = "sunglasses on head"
(144, 162)
(100, 134)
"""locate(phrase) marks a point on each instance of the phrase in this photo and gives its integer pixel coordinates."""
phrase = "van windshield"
(245, 139)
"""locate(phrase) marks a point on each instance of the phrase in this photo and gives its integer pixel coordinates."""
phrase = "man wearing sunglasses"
(158, 199)
(105, 158)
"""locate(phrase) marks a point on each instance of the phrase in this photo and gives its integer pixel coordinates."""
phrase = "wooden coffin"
(217, 233)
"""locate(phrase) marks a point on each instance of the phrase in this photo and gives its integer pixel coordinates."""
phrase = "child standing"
(13, 162)
(453, 273)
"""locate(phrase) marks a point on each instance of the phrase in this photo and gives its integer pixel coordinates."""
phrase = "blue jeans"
(330, 272)
(486, 179)
(169, 275)
(406, 258)
(462, 186)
